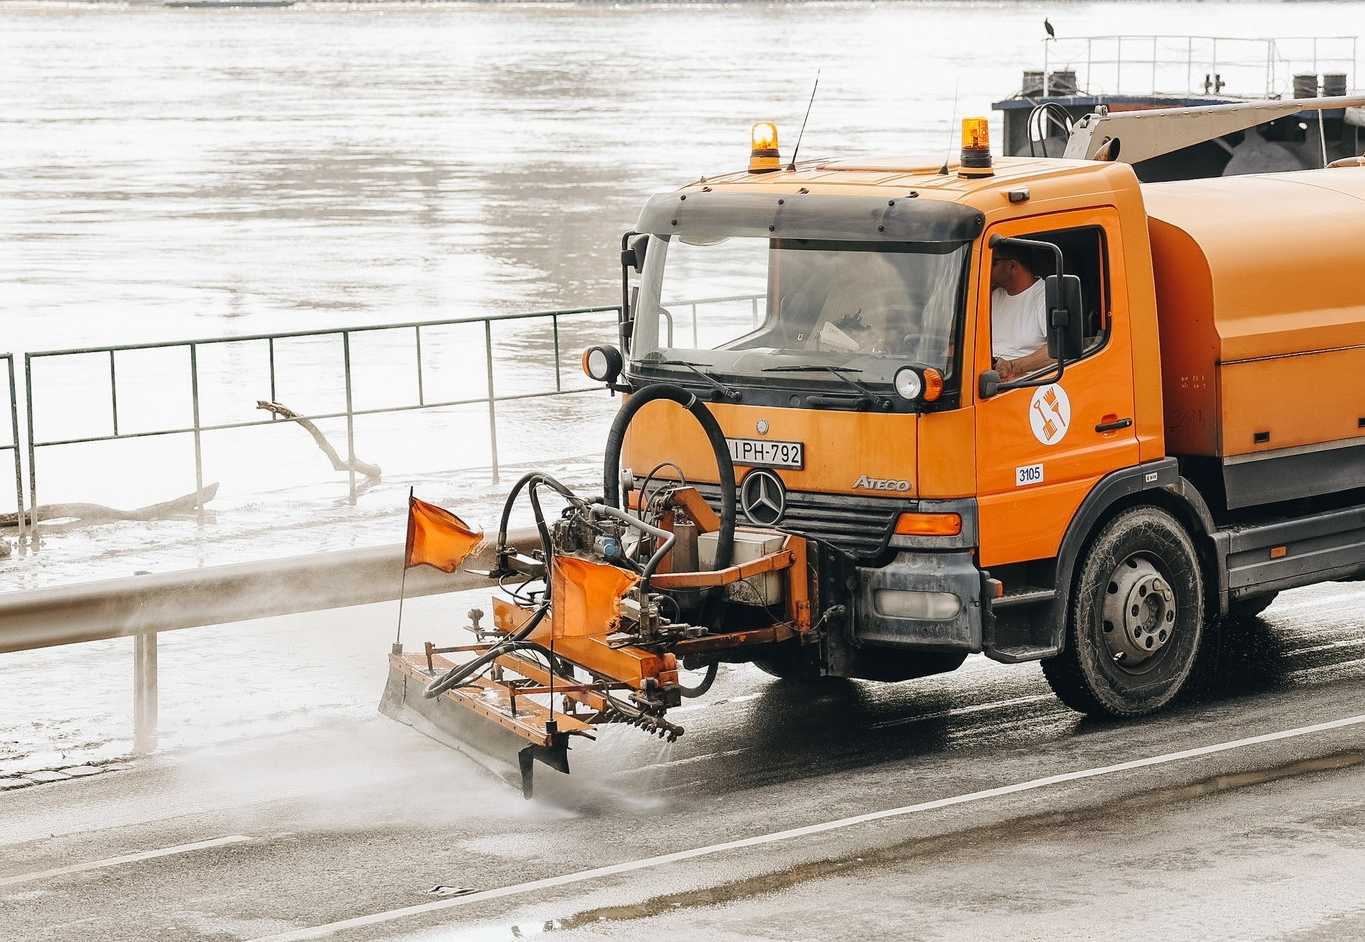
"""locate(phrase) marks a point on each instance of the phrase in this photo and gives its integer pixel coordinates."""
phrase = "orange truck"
(846, 458)
(1196, 446)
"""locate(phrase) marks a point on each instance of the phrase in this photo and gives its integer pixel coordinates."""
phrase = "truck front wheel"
(1136, 618)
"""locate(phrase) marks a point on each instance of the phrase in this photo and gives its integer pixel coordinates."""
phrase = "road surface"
(972, 805)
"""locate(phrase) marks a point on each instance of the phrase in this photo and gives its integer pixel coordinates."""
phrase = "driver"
(1018, 314)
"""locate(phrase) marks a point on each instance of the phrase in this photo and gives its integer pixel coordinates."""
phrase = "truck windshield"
(742, 305)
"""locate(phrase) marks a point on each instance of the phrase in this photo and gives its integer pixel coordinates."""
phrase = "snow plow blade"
(507, 735)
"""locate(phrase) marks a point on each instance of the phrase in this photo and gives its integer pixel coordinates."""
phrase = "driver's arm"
(1022, 366)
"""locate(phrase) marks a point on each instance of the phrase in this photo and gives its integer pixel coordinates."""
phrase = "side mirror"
(1066, 317)
(633, 255)
(627, 325)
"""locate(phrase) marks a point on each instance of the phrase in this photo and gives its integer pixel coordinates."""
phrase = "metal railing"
(197, 428)
(694, 303)
(1265, 65)
(13, 447)
(143, 606)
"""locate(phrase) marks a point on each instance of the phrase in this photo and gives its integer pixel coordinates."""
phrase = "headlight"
(908, 383)
(602, 363)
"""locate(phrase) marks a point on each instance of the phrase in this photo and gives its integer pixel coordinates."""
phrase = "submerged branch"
(99, 513)
(371, 471)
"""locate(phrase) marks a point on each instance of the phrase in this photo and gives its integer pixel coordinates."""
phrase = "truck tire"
(1245, 609)
(1136, 618)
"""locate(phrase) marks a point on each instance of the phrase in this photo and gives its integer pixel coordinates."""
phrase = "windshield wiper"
(866, 393)
(728, 391)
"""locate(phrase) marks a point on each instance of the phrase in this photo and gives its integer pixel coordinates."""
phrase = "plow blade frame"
(476, 723)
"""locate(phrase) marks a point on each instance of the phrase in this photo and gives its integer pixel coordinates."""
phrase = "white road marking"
(631, 866)
(126, 858)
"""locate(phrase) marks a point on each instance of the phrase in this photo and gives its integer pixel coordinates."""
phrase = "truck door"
(1040, 450)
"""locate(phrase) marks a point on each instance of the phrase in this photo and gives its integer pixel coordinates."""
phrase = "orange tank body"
(1261, 310)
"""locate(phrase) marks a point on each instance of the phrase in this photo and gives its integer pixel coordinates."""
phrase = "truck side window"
(1084, 255)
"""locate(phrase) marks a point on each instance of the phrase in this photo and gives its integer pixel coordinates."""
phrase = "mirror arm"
(633, 245)
(624, 319)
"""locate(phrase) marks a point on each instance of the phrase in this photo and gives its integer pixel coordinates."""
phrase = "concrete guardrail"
(142, 606)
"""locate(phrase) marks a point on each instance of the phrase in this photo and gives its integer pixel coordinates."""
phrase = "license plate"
(753, 451)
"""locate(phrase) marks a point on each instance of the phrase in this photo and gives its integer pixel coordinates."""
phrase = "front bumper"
(907, 604)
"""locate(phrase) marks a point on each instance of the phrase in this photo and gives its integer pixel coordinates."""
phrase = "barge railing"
(1265, 65)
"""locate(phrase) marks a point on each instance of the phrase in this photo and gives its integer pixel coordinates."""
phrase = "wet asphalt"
(1262, 840)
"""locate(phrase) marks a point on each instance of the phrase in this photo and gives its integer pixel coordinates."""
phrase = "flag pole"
(403, 579)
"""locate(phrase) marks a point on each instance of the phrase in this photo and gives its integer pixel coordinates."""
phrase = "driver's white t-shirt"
(1019, 321)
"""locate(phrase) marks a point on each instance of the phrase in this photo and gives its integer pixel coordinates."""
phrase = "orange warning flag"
(437, 537)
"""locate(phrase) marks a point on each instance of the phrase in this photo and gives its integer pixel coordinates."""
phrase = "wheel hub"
(1139, 612)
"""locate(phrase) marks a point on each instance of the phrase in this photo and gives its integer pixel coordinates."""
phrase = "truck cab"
(837, 318)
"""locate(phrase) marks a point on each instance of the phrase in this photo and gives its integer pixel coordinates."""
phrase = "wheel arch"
(1157, 484)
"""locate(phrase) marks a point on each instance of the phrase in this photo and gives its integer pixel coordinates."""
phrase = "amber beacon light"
(976, 148)
(763, 156)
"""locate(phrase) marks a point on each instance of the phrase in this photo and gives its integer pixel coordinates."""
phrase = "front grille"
(856, 525)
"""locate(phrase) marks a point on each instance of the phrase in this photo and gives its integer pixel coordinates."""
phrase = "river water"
(169, 174)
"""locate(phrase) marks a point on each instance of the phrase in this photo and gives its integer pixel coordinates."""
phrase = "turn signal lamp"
(933, 385)
(763, 155)
(913, 524)
(976, 148)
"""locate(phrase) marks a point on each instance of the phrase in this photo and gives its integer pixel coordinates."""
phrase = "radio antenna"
(948, 155)
(802, 133)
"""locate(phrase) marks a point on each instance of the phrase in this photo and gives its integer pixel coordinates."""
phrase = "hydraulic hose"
(543, 478)
(462, 672)
(702, 685)
(534, 479)
(616, 438)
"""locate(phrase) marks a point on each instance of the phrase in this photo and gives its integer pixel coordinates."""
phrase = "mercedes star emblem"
(763, 498)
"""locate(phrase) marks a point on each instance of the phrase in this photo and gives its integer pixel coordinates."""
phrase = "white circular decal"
(1050, 414)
